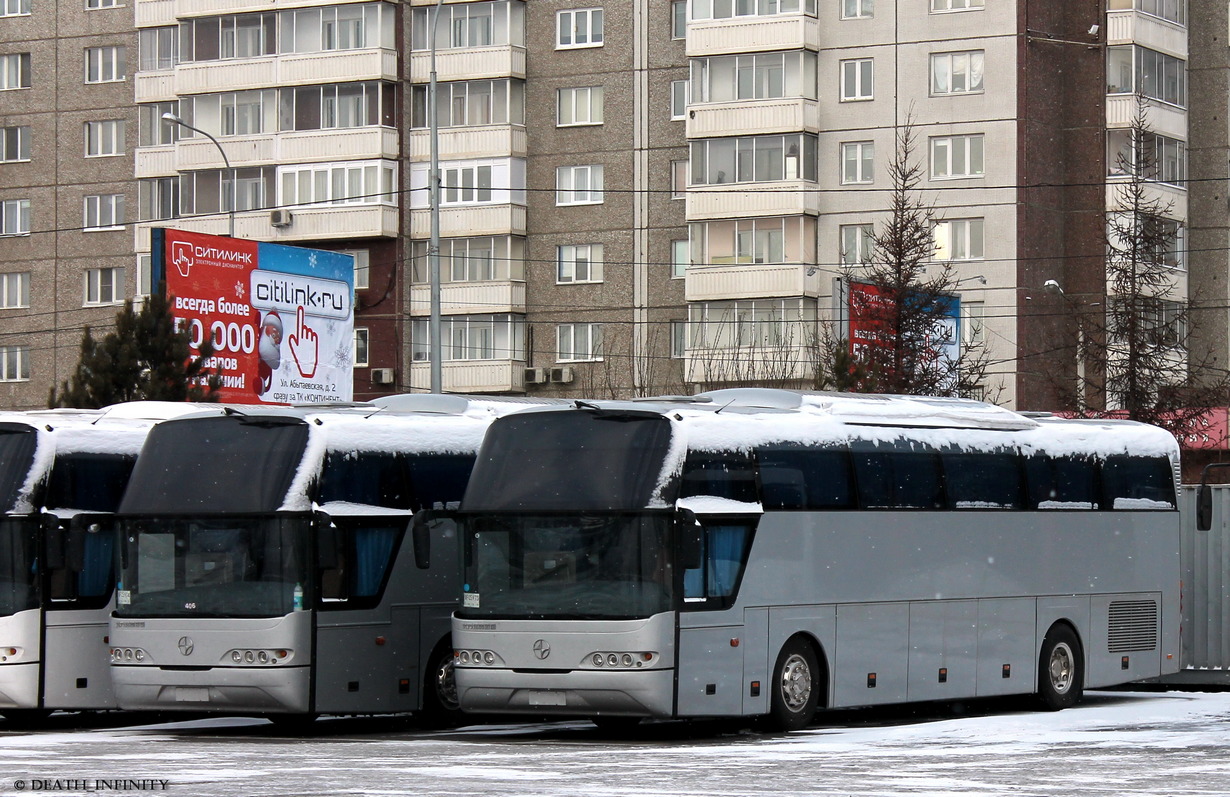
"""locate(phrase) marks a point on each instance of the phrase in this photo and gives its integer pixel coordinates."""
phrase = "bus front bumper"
(584, 693)
(230, 690)
(19, 685)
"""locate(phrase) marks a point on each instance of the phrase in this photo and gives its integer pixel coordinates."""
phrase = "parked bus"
(771, 553)
(262, 565)
(62, 473)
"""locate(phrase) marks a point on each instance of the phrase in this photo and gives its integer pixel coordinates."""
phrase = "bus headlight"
(476, 658)
(619, 660)
(257, 657)
(128, 656)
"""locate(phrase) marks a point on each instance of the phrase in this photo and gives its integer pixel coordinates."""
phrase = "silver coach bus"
(62, 474)
(263, 570)
(771, 553)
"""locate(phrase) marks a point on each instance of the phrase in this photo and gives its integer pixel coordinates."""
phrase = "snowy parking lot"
(1115, 743)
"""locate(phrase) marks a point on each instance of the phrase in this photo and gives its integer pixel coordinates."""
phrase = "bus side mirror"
(691, 548)
(1204, 508)
(420, 530)
(326, 543)
(53, 545)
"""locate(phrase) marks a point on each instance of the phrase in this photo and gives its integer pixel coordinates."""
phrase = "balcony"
(1133, 27)
(470, 63)
(471, 220)
(742, 200)
(787, 362)
(483, 376)
(460, 143)
(753, 34)
(305, 146)
(1163, 194)
(329, 222)
(154, 86)
(1168, 120)
(470, 298)
(753, 117)
(286, 70)
(154, 13)
(705, 283)
(213, 8)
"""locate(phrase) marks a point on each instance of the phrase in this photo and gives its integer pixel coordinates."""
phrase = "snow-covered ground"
(1115, 743)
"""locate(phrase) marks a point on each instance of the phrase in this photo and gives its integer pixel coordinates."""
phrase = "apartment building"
(636, 197)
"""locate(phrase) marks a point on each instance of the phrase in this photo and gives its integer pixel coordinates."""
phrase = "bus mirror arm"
(1204, 497)
(53, 542)
(690, 546)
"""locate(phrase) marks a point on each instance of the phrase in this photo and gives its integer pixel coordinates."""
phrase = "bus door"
(367, 623)
(79, 576)
(718, 641)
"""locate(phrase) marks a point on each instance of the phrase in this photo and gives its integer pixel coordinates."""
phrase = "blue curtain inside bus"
(724, 549)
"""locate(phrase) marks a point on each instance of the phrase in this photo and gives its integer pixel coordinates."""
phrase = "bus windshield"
(233, 566)
(592, 565)
(18, 538)
(16, 456)
(600, 460)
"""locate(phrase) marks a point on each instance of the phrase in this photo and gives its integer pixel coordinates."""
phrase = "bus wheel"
(796, 687)
(441, 706)
(1061, 669)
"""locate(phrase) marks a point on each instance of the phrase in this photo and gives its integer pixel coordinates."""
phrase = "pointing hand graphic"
(304, 346)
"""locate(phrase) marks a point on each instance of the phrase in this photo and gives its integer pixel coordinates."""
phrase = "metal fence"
(1206, 593)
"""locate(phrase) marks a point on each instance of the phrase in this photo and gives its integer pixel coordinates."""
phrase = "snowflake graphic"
(239, 289)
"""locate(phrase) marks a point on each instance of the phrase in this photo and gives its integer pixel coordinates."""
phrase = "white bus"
(262, 564)
(62, 473)
(768, 553)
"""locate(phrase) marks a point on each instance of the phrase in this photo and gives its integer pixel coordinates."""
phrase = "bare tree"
(1134, 352)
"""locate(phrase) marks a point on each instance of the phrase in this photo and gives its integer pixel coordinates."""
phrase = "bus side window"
(439, 481)
(899, 480)
(1137, 483)
(728, 475)
(805, 478)
(984, 481)
(1061, 482)
(725, 550)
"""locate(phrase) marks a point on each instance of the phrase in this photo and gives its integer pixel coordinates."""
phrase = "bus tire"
(1061, 668)
(796, 687)
(441, 705)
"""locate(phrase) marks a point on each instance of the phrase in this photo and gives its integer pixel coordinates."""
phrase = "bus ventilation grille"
(1133, 626)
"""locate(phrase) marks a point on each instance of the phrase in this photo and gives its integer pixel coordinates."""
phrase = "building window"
(469, 102)
(362, 267)
(15, 71)
(472, 337)
(465, 185)
(104, 212)
(105, 64)
(679, 338)
(679, 179)
(955, 157)
(14, 363)
(781, 239)
(104, 286)
(96, 4)
(856, 244)
(158, 198)
(857, 162)
(754, 159)
(14, 8)
(357, 183)
(681, 257)
(754, 76)
(145, 278)
(158, 48)
(360, 347)
(1133, 69)
(15, 143)
(211, 190)
(579, 342)
(857, 80)
(956, 73)
(468, 25)
(859, 9)
(15, 217)
(152, 129)
(104, 139)
(231, 36)
(578, 185)
(15, 290)
(579, 106)
(578, 263)
(679, 19)
(958, 239)
(679, 99)
(580, 27)
(332, 107)
(729, 9)
(471, 259)
(750, 323)
(958, 5)
(1170, 10)
(973, 326)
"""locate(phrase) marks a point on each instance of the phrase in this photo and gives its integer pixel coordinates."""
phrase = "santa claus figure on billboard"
(270, 348)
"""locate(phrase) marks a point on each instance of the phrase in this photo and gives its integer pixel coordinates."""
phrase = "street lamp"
(1053, 287)
(173, 119)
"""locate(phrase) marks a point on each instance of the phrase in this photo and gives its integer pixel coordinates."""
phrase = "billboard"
(869, 311)
(281, 318)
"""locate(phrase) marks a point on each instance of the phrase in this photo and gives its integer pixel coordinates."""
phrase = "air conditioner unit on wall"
(535, 376)
(280, 217)
(562, 374)
(382, 376)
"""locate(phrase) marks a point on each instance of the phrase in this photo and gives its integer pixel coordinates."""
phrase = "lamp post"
(1053, 286)
(435, 346)
(173, 119)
